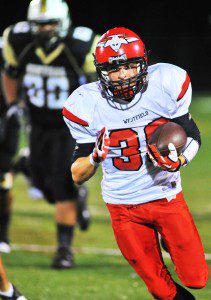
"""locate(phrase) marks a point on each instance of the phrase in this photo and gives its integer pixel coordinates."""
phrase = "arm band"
(190, 150)
(82, 150)
(193, 137)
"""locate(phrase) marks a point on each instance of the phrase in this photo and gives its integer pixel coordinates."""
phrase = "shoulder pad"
(177, 85)
(18, 34)
(82, 33)
(21, 27)
(1, 43)
(79, 107)
(1, 58)
(175, 80)
(15, 38)
(79, 113)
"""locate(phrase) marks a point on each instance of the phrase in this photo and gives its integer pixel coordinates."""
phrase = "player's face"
(45, 33)
(47, 27)
(123, 72)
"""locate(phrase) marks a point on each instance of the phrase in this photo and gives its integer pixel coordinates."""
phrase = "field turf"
(101, 273)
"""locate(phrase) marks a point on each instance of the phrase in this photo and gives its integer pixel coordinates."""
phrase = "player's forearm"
(10, 88)
(82, 170)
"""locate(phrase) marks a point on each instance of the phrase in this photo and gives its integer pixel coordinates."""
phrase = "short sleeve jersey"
(2, 100)
(128, 175)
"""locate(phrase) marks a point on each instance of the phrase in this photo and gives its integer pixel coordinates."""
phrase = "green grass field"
(100, 272)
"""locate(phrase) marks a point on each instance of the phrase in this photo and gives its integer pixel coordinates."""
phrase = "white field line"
(85, 250)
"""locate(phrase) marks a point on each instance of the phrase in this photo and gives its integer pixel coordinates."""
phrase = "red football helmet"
(121, 46)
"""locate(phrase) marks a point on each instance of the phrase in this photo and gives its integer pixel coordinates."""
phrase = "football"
(168, 133)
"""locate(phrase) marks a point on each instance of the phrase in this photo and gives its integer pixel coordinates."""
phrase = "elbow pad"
(189, 126)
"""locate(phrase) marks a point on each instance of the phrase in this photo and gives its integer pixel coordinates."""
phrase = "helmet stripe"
(43, 6)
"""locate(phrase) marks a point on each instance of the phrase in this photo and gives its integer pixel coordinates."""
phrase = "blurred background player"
(9, 133)
(7, 289)
(46, 59)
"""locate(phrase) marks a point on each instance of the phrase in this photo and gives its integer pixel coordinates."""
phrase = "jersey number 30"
(126, 140)
(49, 92)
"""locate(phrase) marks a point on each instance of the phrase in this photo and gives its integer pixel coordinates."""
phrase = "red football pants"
(135, 228)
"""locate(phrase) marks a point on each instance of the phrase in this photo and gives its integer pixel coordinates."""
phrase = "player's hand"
(170, 163)
(101, 146)
(11, 115)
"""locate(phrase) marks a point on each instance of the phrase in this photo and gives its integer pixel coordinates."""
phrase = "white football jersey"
(128, 175)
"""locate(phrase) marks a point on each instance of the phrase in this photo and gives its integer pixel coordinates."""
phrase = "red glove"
(101, 147)
(170, 163)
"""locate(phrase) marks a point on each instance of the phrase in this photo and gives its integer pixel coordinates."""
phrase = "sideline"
(85, 250)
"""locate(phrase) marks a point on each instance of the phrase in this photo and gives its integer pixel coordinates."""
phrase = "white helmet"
(48, 11)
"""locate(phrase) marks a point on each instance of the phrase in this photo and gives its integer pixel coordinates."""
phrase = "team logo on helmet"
(115, 41)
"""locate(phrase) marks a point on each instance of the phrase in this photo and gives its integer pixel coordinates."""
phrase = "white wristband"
(191, 148)
(92, 162)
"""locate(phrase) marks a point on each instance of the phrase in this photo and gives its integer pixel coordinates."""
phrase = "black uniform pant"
(50, 160)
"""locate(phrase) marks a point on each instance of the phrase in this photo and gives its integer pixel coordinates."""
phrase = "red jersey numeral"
(151, 127)
(128, 140)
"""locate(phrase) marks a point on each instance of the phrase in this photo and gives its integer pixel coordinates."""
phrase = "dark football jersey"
(2, 100)
(48, 78)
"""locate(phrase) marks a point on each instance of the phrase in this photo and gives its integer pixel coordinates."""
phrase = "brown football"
(168, 133)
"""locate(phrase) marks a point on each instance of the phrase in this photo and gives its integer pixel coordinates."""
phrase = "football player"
(112, 120)
(9, 133)
(46, 59)
(7, 290)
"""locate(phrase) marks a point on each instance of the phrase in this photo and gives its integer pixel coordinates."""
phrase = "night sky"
(176, 32)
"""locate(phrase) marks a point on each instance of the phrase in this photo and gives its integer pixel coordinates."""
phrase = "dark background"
(177, 32)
